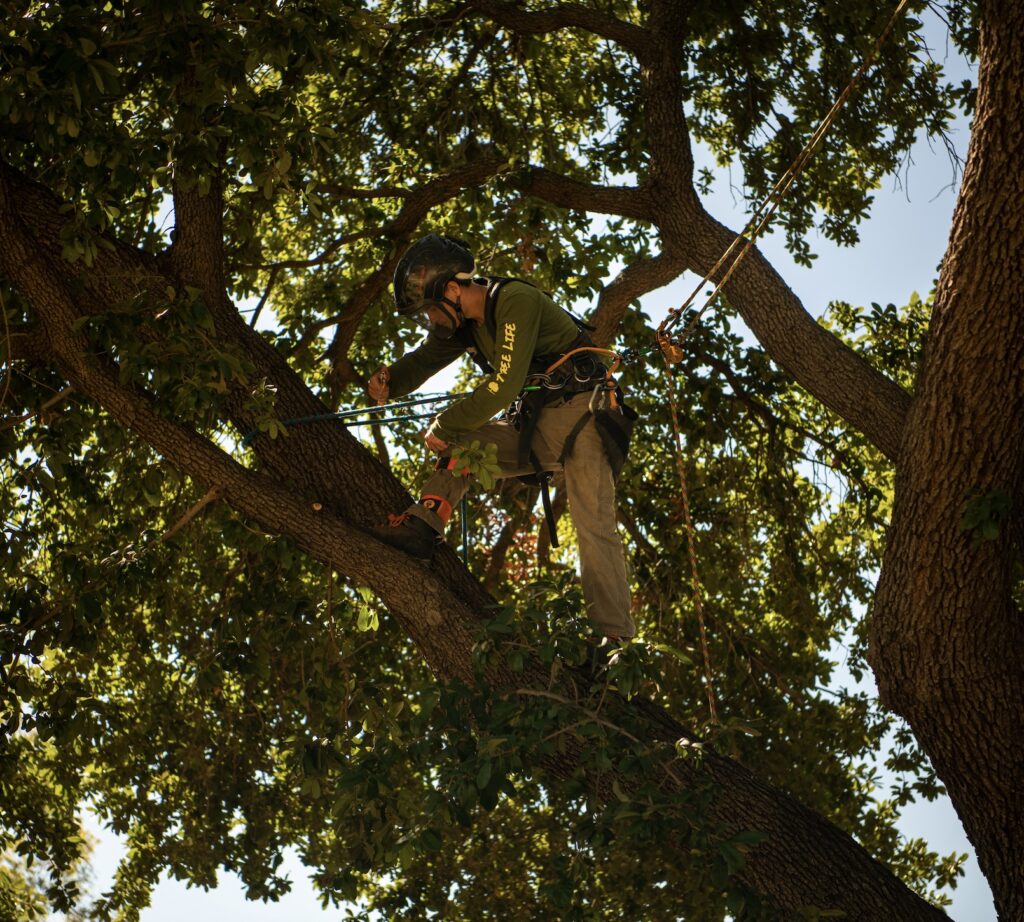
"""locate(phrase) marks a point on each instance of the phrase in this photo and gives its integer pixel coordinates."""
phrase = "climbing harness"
(574, 372)
(671, 346)
(556, 378)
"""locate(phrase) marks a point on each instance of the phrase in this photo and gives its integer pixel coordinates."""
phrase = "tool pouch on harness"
(614, 421)
(615, 427)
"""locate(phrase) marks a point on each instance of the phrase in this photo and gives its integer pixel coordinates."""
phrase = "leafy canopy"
(218, 696)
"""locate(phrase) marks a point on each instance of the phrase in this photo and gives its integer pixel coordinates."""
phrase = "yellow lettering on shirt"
(505, 359)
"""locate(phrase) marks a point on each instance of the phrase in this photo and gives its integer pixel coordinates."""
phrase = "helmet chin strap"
(458, 318)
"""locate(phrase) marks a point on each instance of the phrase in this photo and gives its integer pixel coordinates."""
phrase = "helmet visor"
(420, 314)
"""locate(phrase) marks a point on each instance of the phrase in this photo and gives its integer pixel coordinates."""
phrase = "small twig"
(596, 718)
(266, 294)
(561, 730)
(342, 191)
(53, 401)
(329, 251)
(212, 494)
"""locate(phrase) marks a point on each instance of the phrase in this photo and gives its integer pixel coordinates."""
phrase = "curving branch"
(566, 16)
(820, 362)
(326, 255)
(692, 239)
(633, 202)
(633, 282)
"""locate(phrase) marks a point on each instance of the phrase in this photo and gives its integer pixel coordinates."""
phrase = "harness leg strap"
(549, 515)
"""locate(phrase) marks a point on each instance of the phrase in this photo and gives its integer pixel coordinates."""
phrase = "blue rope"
(348, 414)
(464, 517)
(387, 419)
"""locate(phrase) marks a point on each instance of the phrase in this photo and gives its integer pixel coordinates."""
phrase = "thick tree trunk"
(947, 638)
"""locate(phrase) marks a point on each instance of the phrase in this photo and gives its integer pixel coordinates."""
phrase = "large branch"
(670, 167)
(805, 861)
(302, 513)
(122, 274)
(819, 361)
(198, 250)
(566, 16)
(627, 201)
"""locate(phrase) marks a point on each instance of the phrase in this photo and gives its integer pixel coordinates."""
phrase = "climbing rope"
(671, 346)
(691, 542)
(763, 213)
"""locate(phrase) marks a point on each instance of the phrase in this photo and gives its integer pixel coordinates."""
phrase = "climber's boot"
(409, 533)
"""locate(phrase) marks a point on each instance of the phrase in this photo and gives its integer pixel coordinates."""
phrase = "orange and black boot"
(409, 533)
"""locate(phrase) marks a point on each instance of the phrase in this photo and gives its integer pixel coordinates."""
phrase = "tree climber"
(515, 333)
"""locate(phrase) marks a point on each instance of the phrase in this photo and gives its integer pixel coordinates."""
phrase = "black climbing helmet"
(427, 267)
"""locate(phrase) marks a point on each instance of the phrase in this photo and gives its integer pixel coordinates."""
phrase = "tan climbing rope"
(698, 591)
(671, 346)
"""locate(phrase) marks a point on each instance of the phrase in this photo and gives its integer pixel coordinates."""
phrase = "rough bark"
(947, 640)
(946, 637)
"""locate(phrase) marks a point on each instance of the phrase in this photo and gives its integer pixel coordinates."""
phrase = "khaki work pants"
(591, 491)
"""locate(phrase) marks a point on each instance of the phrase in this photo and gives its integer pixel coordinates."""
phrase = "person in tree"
(515, 333)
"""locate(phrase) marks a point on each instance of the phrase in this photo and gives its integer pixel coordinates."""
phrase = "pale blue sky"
(901, 246)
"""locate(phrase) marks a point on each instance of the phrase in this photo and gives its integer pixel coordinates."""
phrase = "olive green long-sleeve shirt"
(528, 323)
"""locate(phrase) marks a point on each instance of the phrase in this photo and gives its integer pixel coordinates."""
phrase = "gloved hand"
(433, 442)
(379, 385)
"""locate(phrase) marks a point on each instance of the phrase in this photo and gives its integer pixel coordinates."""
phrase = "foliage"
(230, 700)
(478, 461)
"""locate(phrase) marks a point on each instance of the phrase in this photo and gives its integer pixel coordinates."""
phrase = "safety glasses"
(421, 318)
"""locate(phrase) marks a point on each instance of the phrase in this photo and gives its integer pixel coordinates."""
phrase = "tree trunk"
(947, 640)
